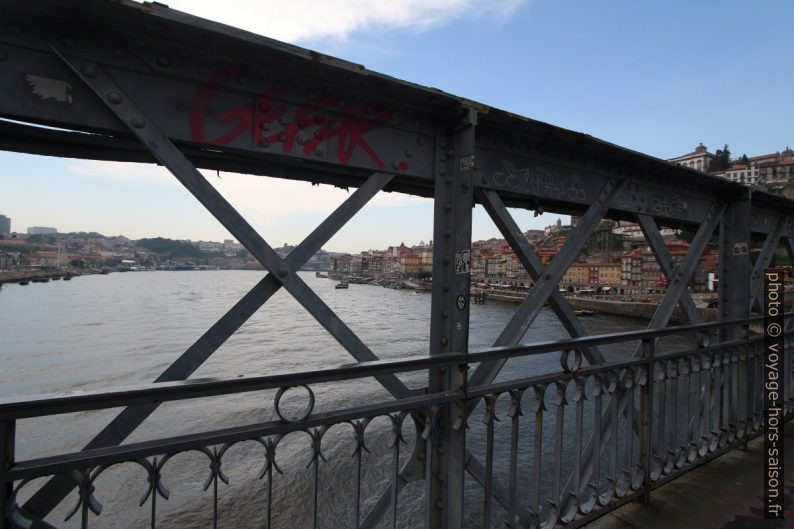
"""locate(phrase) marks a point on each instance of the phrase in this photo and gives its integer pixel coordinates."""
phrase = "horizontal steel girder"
(239, 102)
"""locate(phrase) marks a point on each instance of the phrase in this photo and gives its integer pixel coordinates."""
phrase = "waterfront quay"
(15, 276)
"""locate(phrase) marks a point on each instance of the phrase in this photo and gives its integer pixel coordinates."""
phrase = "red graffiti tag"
(348, 123)
(201, 105)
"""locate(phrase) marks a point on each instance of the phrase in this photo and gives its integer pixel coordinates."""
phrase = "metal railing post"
(646, 418)
(7, 439)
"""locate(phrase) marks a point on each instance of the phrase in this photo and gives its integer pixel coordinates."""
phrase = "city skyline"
(657, 87)
(41, 230)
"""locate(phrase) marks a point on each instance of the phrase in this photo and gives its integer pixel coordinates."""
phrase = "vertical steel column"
(449, 330)
(734, 288)
(7, 441)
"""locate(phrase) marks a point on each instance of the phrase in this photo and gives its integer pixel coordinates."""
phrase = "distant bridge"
(116, 80)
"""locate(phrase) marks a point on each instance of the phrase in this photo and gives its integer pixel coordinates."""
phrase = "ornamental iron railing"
(549, 450)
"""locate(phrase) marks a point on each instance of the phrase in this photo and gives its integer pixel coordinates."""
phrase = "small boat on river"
(343, 283)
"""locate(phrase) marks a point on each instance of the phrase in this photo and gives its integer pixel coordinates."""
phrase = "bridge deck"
(723, 494)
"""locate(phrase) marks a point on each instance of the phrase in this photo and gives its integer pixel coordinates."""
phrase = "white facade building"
(699, 159)
(41, 230)
(776, 169)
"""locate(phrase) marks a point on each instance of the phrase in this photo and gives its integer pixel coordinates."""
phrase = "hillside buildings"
(5, 226)
(773, 172)
(493, 261)
(41, 230)
(700, 159)
(641, 273)
(395, 261)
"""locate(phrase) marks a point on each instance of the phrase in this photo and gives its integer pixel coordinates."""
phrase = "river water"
(121, 329)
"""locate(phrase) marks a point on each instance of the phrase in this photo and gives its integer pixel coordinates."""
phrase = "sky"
(655, 77)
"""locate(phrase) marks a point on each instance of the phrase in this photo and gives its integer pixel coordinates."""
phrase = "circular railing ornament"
(577, 360)
(304, 414)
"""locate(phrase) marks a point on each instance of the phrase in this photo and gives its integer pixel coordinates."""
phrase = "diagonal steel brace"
(763, 261)
(548, 283)
(130, 418)
(165, 152)
(654, 238)
(659, 320)
(512, 233)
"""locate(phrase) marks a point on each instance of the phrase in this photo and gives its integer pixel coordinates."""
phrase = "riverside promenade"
(726, 493)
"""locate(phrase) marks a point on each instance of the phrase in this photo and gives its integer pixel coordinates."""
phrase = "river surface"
(100, 331)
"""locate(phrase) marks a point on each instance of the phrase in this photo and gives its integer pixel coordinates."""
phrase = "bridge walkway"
(725, 493)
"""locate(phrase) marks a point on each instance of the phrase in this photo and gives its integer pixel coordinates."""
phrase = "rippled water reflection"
(101, 331)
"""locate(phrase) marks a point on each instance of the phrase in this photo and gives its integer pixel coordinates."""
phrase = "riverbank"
(15, 276)
(629, 309)
(633, 309)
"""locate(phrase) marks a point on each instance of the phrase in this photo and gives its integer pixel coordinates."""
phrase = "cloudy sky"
(657, 77)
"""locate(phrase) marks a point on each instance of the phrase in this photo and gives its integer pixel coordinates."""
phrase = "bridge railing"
(552, 449)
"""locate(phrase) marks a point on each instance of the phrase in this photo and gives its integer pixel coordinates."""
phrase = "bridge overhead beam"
(234, 101)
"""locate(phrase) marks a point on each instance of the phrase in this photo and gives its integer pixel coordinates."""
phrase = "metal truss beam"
(449, 315)
(529, 309)
(56, 489)
(734, 264)
(141, 125)
(235, 101)
(763, 261)
(547, 284)
(678, 283)
(676, 289)
(766, 211)
(788, 244)
(663, 257)
(529, 259)
(130, 418)
(734, 293)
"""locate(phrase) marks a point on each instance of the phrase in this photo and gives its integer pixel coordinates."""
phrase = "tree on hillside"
(42, 238)
(169, 248)
(722, 159)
